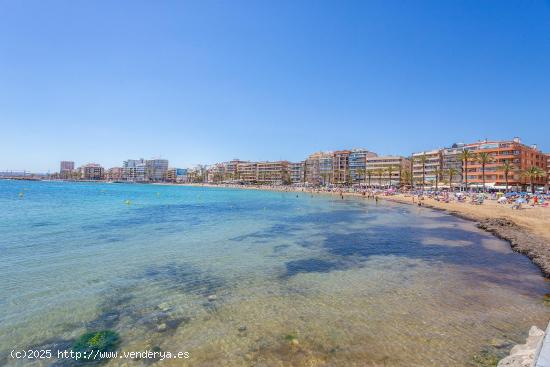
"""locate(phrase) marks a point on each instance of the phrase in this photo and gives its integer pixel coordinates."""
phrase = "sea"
(237, 277)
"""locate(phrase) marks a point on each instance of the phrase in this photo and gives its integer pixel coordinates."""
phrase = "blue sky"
(206, 81)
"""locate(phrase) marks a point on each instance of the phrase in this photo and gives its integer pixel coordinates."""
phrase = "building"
(426, 166)
(66, 167)
(390, 167)
(247, 172)
(175, 175)
(340, 167)
(547, 170)
(318, 168)
(451, 159)
(273, 173)
(133, 170)
(521, 156)
(358, 164)
(297, 172)
(114, 174)
(155, 169)
(92, 171)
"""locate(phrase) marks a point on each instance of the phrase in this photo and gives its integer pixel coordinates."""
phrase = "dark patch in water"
(310, 266)
(186, 278)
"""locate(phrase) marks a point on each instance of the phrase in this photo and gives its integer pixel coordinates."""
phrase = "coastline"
(527, 230)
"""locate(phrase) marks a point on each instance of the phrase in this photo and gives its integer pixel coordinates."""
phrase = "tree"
(368, 174)
(483, 158)
(438, 174)
(507, 167)
(465, 157)
(532, 174)
(451, 172)
(390, 170)
(379, 172)
(406, 177)
(359, 173)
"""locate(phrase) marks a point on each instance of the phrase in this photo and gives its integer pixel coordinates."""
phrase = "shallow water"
(297, 280)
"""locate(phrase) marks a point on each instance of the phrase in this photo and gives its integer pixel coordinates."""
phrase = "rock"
(162, 327)
(242, 328)
(212, 298)
(165, 307)
(295, 342)
(523, 355)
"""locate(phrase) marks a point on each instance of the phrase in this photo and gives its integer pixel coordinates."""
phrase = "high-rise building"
(426, 166)
(155, 169)
(387, 170)
(547, 169)
(297, 174)
(134, 170)
(340, 167)
(521, 156)
(92, 171)
(66, 166)
(319, 168)
(358, 164)
(451, 160)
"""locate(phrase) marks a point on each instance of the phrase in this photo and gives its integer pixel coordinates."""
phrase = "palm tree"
(379, 172)
(483, 158)
(438, 174)
(406, 177)
(390, 171)
(368, 174)
(451, 172)
(532, 174)
(465, 157)
(507, 167)
(359, 172)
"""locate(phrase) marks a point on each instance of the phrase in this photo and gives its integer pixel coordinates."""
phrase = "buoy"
(21, 194)
(127, 202)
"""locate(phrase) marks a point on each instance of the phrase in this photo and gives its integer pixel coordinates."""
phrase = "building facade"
(386, 171)
(297, 172)
(426, 166)
(66, 166)
(92, 171)
(521, 156)
(114, 174)
(358, 164)
(340, 167)
(273, 173)
(155, 169)
(451, 160)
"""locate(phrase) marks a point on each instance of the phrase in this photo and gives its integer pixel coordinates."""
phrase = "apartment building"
(246, 171)
(273, 173)
(66, 166)
(426, 165)
(451, 159)
(391, 168)
(92, 171)
(358, 164)
(340, 167)
(155, 169)
(297, 172)
(319, 168)
(175, 174)
(548, 169)
(521, 156)
(114, 174)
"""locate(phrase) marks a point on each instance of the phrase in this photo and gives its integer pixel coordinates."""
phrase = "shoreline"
(533, 243)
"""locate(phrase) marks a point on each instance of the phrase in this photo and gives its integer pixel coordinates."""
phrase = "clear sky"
(206, 81)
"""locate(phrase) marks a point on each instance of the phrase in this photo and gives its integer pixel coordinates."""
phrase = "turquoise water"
(244, 277)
